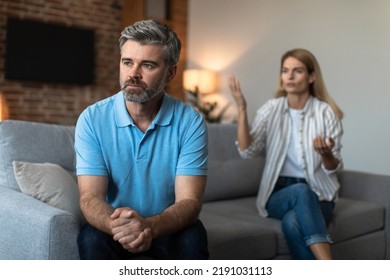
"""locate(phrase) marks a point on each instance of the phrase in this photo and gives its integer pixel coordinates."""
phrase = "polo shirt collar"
(163, 117)
(121, 115)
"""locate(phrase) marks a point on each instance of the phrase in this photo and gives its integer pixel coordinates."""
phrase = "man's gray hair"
(151, 32)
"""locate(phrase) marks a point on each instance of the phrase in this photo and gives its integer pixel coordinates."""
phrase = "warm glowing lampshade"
(3, 108)
(205, 80)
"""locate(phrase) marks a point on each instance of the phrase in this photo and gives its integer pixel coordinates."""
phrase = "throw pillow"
(49, 183)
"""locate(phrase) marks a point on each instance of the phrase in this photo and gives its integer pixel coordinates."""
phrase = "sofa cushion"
(354, 218)
(232, 178)
(365, 247)
(34, 142)
(232, 239)
(229, 176)
(51, 184)
(244, 210)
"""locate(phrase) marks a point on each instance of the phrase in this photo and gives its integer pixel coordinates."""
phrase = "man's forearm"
(97, 213)
(174, 218)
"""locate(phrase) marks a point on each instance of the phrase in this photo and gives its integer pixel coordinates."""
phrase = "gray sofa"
(360, 228)
(31, 229)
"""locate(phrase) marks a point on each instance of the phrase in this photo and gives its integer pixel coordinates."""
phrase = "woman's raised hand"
(236, 92)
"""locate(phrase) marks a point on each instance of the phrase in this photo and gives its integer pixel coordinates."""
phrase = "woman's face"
(295, 77)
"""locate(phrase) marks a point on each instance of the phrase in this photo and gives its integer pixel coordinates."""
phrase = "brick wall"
(178, 22)
(61, 103)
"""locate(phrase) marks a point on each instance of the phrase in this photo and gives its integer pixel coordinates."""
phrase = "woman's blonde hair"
(317, 88)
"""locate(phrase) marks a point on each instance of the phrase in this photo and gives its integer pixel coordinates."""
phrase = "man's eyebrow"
(143, 61)
(150, 61)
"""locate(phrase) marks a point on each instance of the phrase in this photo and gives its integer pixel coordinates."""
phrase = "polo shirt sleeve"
(194, 149)
(89, 157)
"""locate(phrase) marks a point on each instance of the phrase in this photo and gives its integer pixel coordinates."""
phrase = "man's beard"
(139, 95)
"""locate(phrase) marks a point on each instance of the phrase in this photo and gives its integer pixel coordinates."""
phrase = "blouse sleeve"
(258, 132)
(335, 130)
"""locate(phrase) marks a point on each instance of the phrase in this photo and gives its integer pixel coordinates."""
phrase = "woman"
(300, 131)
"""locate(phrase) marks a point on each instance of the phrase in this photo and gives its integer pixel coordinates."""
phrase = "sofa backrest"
(229, 175)
(35, 143)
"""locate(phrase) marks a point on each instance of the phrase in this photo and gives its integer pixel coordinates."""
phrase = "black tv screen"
(38, 51)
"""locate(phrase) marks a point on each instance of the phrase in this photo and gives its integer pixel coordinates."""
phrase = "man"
(142, 159)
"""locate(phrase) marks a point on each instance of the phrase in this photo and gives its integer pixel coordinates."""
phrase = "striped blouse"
(271, 130)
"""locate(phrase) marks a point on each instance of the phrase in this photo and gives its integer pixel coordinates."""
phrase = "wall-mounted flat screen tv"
(38, 51)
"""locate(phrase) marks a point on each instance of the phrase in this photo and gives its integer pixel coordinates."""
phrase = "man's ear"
(171, 73)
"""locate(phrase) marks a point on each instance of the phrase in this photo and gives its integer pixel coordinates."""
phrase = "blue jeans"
(187, 244)
(304, 218)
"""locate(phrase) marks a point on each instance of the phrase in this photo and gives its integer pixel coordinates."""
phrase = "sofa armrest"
(31, 229)
(368, 187)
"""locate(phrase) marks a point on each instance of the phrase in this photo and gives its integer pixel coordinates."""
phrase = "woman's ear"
(312, 78)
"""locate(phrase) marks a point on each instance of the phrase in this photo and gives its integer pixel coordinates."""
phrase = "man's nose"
(135, 72)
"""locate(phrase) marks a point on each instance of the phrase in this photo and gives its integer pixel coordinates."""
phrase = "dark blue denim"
(187, 244)
(304, 218)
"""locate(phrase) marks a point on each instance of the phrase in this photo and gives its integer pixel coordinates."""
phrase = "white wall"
(350, 38)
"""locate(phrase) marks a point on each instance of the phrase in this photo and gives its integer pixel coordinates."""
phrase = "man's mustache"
(133, 82)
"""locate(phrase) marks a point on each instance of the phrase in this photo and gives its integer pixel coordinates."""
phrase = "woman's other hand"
(322, 146)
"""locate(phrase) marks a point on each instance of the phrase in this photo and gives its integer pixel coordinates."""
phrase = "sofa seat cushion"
(233, 239)
(353, 218)
(244, 209)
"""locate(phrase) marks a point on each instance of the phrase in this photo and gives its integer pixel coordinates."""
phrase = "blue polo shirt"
(141, 167)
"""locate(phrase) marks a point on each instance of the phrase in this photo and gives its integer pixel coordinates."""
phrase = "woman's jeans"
(304, 218)
(187, 244)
